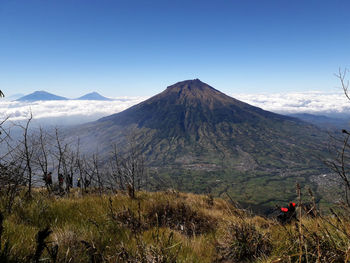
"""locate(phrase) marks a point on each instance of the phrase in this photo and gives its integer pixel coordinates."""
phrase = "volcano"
(93, 96)
(191, 124)
(197, 139)
(41, 95)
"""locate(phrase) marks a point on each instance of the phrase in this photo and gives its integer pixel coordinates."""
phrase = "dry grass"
(164, 227)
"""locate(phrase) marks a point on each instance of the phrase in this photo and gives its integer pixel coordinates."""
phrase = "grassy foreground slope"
(161, 227)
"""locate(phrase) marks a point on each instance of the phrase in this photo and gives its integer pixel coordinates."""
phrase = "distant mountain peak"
(41, 95)
(93, 96)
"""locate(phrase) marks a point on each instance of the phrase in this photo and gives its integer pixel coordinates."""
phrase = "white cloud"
(75, 111)
(301, 102)
(82, 110)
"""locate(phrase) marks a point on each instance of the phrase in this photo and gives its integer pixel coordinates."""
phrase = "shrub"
(179, 216)
(242, 242)
(163, 250)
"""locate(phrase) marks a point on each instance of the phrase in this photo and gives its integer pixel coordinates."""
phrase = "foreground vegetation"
(161, 227)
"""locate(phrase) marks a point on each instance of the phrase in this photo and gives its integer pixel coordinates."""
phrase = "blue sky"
(137, 48)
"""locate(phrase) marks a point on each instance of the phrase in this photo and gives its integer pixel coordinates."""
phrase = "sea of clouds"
(318, 103)
(76, 111)
(65, 111)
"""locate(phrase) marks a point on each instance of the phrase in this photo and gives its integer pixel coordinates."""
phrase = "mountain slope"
(191, 123)
(199, 138)
(93, 96)
(41, 95)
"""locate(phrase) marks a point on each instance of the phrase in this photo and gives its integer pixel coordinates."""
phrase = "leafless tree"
(93, 173)
(12, 166)
(28, 151)
(61, 155)
(81, 170)
(42, 156)
(340, 165)
(128, 169)
(60, 150)
(39, 152)
(11, 174)
(11, 181)
(22, 154)
(341, 75)
(97, 172)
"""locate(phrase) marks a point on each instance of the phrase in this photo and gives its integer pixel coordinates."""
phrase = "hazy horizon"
(77, 112)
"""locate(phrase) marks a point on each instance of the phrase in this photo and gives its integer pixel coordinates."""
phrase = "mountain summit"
(41, 95)
(93, 96)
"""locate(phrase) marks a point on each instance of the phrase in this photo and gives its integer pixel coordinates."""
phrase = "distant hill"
(93, 96)
(41, 95)
(322, 121)
(200, 138)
